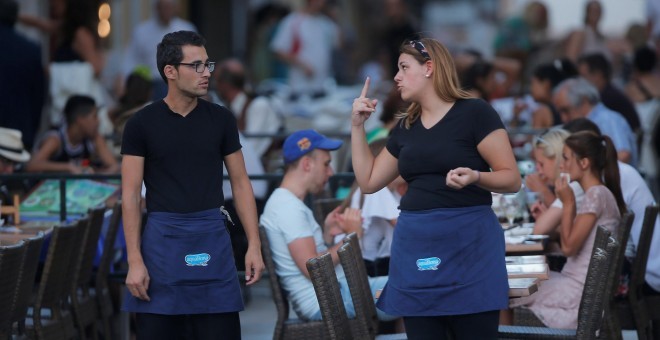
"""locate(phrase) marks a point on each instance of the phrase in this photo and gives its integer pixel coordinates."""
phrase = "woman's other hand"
(462, 177)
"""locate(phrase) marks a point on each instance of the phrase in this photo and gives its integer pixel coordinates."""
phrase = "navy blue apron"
(447, 261)
(190, 263)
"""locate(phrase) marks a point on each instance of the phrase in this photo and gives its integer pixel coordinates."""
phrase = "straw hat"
(11, 146)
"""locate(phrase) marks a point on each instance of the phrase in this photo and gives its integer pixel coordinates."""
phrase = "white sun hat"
(11, 146)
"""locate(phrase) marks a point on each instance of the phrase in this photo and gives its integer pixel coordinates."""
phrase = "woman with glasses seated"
(547, 155)
(591, 160)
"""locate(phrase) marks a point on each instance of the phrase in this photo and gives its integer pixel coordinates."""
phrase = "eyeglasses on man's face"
(564, 110)
(199, 67)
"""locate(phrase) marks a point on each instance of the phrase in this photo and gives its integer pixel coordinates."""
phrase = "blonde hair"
(445, 77)
(551, 143)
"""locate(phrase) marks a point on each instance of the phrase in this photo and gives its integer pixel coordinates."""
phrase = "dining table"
(13, 234)
(519, 240)
(525, 274)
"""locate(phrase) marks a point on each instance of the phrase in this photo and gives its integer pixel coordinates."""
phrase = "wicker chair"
(83, 303)
(25, 286)
(592, 303)
(645, 308)
(611, 325)
(524, 317)
(358, 283)
(286, 328)
(322, 273)
(51, 319)
(101, 290)
(366, 324)
(11, 258)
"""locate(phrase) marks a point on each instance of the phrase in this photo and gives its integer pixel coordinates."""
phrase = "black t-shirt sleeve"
(231, 142)
(489, 120)
(393, 140)
(133, 142)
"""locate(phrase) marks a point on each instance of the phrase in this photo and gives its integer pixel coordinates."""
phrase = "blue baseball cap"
(303, 142)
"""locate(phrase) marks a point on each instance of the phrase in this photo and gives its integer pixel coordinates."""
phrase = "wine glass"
(511, 206)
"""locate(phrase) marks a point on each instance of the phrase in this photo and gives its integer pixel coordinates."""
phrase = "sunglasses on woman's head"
(539, 139)
(419, 46)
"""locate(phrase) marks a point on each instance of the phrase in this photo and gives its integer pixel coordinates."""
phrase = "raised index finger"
(365, 88)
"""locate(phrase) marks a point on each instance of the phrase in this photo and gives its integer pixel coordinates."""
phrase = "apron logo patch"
(429, 263)
(197, 259)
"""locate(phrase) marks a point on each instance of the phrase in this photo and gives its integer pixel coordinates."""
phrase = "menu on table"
(522, 286)
(534, 270)
(526, 259)
(81, 195)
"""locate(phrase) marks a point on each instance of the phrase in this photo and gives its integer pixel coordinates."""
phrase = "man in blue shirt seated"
(577, 98)
(294, 234)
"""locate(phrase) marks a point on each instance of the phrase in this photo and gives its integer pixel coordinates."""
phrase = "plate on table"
(536, 237)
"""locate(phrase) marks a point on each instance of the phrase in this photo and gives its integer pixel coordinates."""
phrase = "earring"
(427, 75)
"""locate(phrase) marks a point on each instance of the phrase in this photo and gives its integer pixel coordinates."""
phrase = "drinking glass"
(511, 206)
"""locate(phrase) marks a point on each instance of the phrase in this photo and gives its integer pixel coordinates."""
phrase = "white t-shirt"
(637, 196)
(253, 166)
(261, 118)
(577, 191)
(377, 210)
(287, 218)
(317, 36)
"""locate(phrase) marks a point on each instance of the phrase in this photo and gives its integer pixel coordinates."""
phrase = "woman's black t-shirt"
(183, 156)
(425, 156)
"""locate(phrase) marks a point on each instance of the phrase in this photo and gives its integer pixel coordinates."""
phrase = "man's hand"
(351, 221)
(137, 280)
(254, 264)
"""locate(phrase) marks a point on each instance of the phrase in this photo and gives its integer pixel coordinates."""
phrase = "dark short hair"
(597, 62)
(472, 75)
(556, 71)
(582, 124)
(645, 59)
(232, 77)
(78, 106)
(8, 12)
(170, 52)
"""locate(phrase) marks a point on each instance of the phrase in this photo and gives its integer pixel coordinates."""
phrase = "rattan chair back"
(26, 281)
(645, 308)
(11, 258)
(285, 327)
(322, 273)
(352, 262)
(101, 290)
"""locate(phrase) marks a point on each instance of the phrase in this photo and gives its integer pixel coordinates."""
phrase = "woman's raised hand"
(563, 190)
(363, 107)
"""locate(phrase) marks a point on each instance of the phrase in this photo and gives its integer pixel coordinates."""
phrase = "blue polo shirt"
(613, 125)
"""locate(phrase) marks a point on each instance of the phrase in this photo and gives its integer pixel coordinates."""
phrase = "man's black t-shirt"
(425, 156)
(183, 156)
